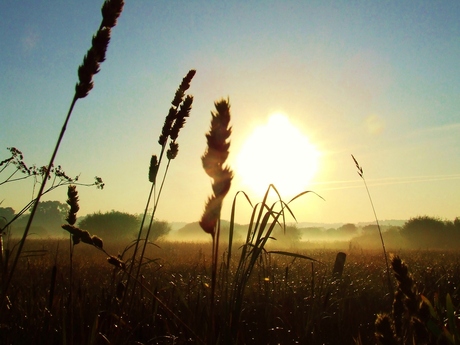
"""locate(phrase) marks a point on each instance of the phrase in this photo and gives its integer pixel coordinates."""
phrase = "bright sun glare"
(277, 153)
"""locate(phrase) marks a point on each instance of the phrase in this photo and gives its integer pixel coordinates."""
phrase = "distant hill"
(389, 222)
(309, 231)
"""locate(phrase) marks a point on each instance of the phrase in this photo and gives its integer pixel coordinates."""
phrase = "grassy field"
(287, 300)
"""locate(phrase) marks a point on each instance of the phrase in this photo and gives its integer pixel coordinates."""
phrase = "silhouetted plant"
(413, 319)
(361, 174)
(213, 161)
(174, 121)
(111, 10)
(57, 177)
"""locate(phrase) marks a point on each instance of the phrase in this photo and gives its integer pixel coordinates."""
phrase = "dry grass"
(287, 300)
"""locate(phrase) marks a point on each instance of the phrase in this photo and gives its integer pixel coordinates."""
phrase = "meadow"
(288, 300)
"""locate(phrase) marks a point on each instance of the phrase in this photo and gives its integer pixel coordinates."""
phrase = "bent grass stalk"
(263, 220)
(361, 174)
(111, 10)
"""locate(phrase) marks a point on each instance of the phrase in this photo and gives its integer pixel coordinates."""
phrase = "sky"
(376, 79)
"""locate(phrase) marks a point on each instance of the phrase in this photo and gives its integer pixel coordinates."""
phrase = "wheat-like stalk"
(213, 161)
(111, 10)
(72, 201)
(174, 122)
(409, 322)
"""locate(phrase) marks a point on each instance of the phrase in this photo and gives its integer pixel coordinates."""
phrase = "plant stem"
(37, 200)
(390, 288)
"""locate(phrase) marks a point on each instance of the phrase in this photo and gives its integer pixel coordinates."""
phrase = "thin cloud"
(437, 129)
(347, 184)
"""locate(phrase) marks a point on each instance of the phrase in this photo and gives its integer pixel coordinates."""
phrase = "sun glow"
(277, 153)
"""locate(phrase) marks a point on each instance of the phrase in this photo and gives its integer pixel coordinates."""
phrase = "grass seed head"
(72, 201)
(97, 241)
(213, 162)
(183, 113)
(86, 237)
(175, 119)
(111, 10)
(184, 86)
(153, 169)
(116, 262)
(173, 150)
(211, 214)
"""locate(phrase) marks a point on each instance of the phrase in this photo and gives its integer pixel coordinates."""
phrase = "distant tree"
(371, 228)
(288, 235)
(348, 229)
(111, 225)
(427, 231)
(49, 217)
(6, 214)
(160, 228)
(457, 223)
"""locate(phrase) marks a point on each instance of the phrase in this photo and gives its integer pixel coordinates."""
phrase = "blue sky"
(380, 80)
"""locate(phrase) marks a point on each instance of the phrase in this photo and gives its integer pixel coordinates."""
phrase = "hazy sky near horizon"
(376, 79)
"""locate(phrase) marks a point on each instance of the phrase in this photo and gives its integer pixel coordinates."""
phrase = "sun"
(277, 153)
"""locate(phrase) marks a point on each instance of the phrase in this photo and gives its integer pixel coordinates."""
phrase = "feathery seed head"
(174, 118)
(213, 162)
(166, 130)
(111, 10)
(73, 230)
(100, 43)
(184, 86)
(97, 241)
(222, 181)
(183, 113)
(153, 169)
(116, 262)
(360, 169)
(211, 214)
(173, 150)
(72, 201)
(86, 237)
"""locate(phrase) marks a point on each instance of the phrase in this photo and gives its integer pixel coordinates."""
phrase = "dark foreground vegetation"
(288, 300)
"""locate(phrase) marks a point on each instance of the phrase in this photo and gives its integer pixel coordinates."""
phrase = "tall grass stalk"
(111, 10)
(180, 109)
(264, 219)
(213, 161)
(361, 174)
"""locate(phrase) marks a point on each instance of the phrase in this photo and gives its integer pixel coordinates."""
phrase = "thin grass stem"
(361, 174)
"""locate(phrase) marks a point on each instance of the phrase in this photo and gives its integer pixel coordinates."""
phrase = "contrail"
(347, 184)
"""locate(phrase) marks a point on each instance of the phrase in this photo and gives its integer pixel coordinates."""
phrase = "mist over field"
(121, 228)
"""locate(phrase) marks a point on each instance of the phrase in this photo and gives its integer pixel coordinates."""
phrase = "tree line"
(417, 232)
(112, 225)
